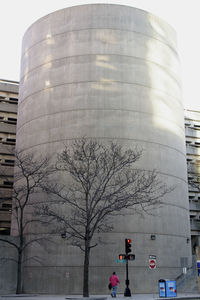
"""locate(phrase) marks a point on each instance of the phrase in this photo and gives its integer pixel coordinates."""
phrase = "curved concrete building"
(108, 72)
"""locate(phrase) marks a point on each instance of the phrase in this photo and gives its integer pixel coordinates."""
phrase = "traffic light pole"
(127, 292)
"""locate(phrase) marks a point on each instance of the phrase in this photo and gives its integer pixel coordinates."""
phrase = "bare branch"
(6, 259)
(10, 243)
(31, 174)
(101, 181)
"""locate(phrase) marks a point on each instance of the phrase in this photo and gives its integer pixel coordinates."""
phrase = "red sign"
(152, 263)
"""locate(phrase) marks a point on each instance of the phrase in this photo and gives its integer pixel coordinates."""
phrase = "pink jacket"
(114, 280)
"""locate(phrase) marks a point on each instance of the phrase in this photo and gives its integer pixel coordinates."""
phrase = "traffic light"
(127, 246)
(122, 256)
(131, 256)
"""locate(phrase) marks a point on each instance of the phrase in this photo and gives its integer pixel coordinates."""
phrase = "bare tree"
(29, 174)
(103, 182)
(194, 181)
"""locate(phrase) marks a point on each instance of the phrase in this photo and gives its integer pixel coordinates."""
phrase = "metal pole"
(127, 292)
(153, 284)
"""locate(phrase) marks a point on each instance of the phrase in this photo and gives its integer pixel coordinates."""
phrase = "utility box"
(167, 288)
(198, 267)
(171, 288)
(162, 288)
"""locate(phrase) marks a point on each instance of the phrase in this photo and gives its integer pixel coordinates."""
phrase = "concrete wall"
(108, 72)
(9, 86)
(8, 120)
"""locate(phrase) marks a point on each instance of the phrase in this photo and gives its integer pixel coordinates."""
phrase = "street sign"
(152, 256)
(152, 264)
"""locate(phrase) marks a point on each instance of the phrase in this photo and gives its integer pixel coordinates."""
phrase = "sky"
(183, 15)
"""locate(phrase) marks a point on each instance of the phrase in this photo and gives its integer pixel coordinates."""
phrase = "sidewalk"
(97, 297)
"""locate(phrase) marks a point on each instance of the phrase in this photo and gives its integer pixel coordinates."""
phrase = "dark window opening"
(12, 120)
(2, 199)
(9, 141)
(9, 183)
(7, 205)
(4, 231)
(5, 209)
(8, 162)
(13, 99)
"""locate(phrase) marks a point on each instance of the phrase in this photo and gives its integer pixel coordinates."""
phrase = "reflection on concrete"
(49, 39)
(47, 83)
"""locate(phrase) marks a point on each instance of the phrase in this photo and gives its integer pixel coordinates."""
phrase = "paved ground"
(96, 297)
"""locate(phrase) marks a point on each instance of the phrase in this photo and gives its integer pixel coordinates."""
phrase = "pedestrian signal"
(128, 245)
(122, 256)
(131, 256)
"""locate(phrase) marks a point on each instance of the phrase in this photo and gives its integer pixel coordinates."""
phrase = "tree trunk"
(86, 271)
(19, 273)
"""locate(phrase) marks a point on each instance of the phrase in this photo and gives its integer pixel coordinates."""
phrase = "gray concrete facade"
(192, 135)
(108, 72)
(8, 121)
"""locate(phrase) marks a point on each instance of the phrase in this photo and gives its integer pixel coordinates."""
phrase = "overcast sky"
(17, 15)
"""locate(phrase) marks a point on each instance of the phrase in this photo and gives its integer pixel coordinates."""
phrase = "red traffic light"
(127, 246)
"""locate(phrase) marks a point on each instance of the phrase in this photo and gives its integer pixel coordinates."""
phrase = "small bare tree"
(29, 174)
(195, 182)
(103, 182)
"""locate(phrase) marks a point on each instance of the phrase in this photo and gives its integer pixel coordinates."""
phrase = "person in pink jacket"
(114, 280)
